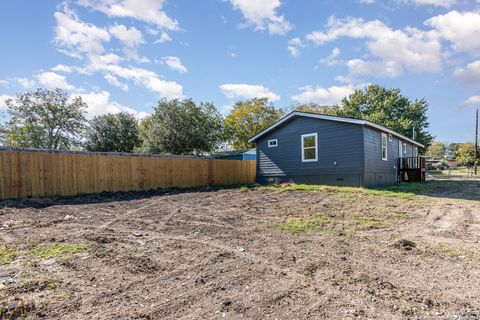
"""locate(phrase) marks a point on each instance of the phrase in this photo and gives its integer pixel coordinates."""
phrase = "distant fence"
(34, 173)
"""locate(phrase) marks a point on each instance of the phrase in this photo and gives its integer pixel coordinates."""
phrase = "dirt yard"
(293, 252)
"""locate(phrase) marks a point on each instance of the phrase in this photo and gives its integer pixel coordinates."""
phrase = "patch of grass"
(295, 225)
(58, 250)
(243, 189)
(369, 224)
(317, 221)
(413, 187)
(449, 250)
(7, 255)
(405, 191)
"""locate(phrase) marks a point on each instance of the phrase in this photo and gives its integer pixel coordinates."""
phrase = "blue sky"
(127, 54)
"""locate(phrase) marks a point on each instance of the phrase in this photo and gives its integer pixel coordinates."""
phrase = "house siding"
(378, 171)
(340, 154)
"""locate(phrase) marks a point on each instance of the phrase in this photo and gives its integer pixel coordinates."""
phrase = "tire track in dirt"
(451, 221)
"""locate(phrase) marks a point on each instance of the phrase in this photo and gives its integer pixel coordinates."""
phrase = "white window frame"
(415, 151)
(390, 137)
(404, 147)
(273, 141)
(400, 148)
(384, 138)
(316, 147)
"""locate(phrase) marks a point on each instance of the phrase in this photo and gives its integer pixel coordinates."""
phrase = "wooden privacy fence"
(27, 173)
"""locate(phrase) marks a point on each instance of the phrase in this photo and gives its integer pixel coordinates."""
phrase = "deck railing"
(411, 169)
(411, 163)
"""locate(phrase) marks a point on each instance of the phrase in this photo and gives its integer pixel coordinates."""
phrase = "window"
(415, 151)
(272, 143)
(384, 147)
(390, 137)
(404, 147)
(400, 148)
(309, 147)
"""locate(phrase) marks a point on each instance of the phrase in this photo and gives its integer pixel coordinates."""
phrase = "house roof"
(332, 118)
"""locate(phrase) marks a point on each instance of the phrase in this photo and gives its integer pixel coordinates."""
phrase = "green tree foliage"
(389, 108)
(46, 119)
(316, 108)
(436, 149)
(453, 149)
(386, 107)
(248, 118)
(182, 127)
(113, 133)
(466, 154)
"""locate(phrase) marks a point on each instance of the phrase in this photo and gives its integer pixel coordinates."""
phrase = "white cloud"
(164, 37)
(62, 68)
(99, 103)
(367, 1)
(132, 54)
(140, 76)
(472, 101)
(262, 14)
(438, 3)
(26, 83)
(409, 48)
(77, 37)
(331, 59)
(462, 29)
(114, 82)
(149, 11)
(247, 91)
(53, 80)
(470, 74)
(3, 101)
(294, 46)
(108, 65)
(111, 58)
(375, 68)
(324, 96)
(174, 63)
(131, 37)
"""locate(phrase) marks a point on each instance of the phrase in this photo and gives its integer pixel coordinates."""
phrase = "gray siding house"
(321, 149)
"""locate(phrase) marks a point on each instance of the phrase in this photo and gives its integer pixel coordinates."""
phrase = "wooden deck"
(411, 169)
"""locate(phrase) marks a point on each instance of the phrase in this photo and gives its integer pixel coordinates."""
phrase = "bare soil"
(242, 253)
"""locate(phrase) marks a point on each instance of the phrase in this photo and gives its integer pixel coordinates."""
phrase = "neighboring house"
(321, 149)
(452, 163)
(248, 154)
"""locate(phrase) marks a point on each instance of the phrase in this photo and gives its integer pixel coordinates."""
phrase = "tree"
(248, 118)
(389, 108)
(113, 133)
(453, 149)
(182, 127)
(46, 119)
(436, 150)
(466, 154)
(316, 108)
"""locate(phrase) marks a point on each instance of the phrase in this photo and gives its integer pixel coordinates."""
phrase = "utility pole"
(475, 159)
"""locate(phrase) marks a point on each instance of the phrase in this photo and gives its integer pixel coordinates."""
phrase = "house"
(322, 149)
(247, 154)
(452, 163)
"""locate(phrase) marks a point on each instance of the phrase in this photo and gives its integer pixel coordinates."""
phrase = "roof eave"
(332, 118)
